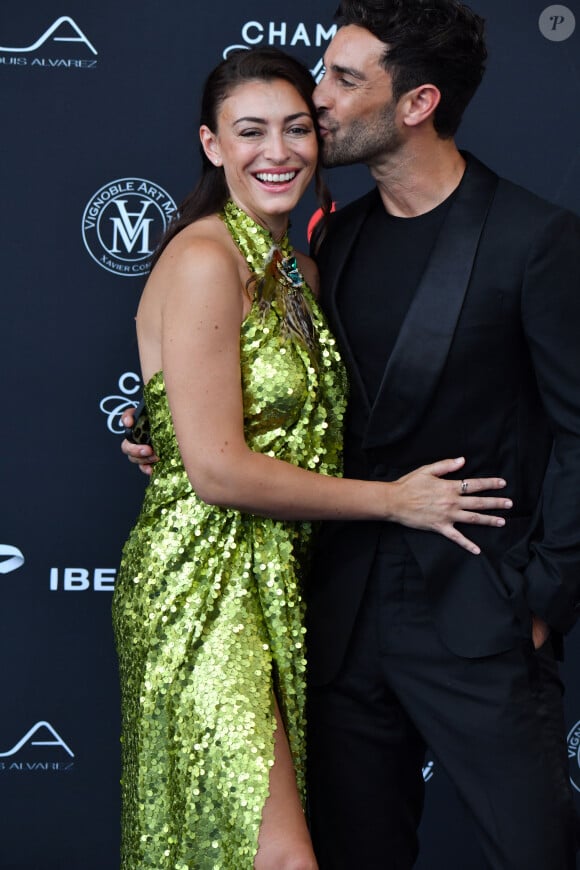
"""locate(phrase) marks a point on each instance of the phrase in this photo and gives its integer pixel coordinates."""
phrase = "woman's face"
(266, 143)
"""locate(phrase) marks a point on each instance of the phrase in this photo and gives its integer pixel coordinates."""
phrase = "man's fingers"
(540, 632)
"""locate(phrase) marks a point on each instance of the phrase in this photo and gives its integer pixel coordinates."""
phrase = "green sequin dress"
(207, 609)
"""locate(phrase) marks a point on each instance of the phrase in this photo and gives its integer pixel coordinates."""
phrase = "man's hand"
(540, 632)
(140, 454)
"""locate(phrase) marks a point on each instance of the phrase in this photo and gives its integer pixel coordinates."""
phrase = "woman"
(246, 393)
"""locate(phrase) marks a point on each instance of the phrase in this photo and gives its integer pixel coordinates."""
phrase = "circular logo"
(123, 222)
(557, 23)
(574, 755)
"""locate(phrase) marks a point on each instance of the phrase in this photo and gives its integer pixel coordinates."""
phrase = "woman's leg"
(284, 842)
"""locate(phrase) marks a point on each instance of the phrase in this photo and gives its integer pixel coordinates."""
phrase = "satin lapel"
(331, 262)
(423, 343)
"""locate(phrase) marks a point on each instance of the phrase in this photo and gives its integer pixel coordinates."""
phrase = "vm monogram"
(122, 223)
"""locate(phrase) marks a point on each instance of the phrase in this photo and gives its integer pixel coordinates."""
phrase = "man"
(455, 298)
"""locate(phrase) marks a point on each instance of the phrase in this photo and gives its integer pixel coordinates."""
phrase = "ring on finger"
(464, 487)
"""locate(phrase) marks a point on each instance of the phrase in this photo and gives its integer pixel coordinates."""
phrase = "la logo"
(63, 22)
(56, 741)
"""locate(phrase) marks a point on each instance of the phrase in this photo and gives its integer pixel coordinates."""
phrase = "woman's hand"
(423, 501)
(140, 454)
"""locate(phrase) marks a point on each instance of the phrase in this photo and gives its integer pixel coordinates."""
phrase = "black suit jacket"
(486, 366)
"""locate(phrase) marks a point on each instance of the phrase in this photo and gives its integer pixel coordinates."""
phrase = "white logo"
(115, 406)
(574, 755)
(51, 740)
(122, 223)
(68, 31)
(428, 771)
(64, 19)
(283, 34)
(58, 741)
(12, 559)
(81, 579)
(557, 23)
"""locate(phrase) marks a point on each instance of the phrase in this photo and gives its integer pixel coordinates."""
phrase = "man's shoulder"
(522, 217)
(512, 197)
(515, 194)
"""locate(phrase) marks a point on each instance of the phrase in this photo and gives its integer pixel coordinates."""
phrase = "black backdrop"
(98, 108)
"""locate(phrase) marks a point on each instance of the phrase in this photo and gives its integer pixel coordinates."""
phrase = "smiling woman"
(266, 142)
(245, 392)
(208, 610)
(256, 68)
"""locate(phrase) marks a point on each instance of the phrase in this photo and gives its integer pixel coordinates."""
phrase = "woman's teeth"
(278, 177)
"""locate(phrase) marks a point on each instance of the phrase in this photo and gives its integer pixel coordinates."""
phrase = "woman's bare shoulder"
(207, 235)
(204, 246)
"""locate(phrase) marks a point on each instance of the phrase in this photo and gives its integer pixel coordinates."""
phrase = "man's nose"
(320, 95)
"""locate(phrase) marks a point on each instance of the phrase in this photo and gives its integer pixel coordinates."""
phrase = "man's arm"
(551, 321)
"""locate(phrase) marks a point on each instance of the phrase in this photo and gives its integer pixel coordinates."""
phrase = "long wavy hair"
(258, 64)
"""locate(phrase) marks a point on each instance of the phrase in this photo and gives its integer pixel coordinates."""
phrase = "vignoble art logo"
(47, 49)
(115, 405)
(10, 559)
(287, 35)
(23, 756)
(123, 221)
(574, 755)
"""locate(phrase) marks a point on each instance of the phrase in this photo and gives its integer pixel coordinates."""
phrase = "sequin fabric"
(208, 613)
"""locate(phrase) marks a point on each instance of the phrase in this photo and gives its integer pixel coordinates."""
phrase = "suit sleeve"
(551, 322)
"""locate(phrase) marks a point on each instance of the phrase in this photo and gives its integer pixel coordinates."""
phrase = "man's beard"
(363, 141)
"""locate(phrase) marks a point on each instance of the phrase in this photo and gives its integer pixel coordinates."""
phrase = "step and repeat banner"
(99, 105)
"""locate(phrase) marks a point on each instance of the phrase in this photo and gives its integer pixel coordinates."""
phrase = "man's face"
(357, 114)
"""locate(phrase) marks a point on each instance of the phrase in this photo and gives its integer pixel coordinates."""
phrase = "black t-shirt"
(379, 282)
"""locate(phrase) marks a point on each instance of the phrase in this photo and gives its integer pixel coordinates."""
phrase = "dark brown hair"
(440, 42)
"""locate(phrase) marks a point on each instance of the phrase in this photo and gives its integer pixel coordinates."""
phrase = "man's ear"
(419, 104)
(210, 145)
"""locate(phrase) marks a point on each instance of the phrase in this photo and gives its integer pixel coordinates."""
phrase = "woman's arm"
(202, 312)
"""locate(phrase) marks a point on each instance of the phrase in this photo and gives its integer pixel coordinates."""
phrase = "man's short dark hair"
(439, 42)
